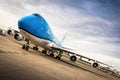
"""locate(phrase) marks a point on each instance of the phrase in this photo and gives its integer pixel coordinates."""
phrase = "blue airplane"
(35, 29)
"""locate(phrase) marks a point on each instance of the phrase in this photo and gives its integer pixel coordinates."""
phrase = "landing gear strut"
(59, 56)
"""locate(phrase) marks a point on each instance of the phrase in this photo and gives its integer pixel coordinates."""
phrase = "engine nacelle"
(73, 58)
(10, 32)
(18, 36)
(95, 64)
(3, 32)
(0, 31)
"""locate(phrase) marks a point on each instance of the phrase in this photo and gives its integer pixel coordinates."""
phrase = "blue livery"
(36, 25)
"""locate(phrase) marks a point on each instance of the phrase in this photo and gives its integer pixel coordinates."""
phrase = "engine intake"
(10, 32)
(18, 36)
(73, 58)
(95, 64)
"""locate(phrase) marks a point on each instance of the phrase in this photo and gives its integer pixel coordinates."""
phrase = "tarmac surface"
(19, 64)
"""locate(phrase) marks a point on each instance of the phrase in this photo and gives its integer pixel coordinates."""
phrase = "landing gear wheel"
(23, 47)
(44, 51)
(35, 48)
(58, 57)
(26, 47)
(73, 58)
(51, 54)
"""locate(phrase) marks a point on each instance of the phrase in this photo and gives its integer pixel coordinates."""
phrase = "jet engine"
(10, 32)
(95, 64)
(73, 58)
(3, 32)
(18, 36)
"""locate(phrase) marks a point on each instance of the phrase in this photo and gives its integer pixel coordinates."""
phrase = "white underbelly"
(35, 40)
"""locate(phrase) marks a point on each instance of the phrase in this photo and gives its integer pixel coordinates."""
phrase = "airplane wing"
(74, 56)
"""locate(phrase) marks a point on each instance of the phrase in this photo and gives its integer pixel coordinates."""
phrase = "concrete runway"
(18, 64)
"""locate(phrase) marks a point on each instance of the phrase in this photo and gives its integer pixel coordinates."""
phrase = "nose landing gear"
(26, 46)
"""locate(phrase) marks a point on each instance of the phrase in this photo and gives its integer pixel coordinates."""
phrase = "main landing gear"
(59, 57)
(53, 54)
(35, 48)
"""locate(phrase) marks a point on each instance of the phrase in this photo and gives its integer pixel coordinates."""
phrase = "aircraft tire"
(35, 48)
(26, 48)
(23, 47)
(51, 54)
(44, 51)
(57, 57)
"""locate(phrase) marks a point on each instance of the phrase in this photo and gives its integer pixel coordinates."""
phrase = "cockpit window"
(37, 15)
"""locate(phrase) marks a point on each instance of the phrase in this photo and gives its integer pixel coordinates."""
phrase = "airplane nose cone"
(20, 23)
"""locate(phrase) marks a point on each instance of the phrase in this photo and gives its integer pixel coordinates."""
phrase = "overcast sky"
(92, 26)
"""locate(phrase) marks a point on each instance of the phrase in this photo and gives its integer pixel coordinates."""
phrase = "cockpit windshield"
(37, 15)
